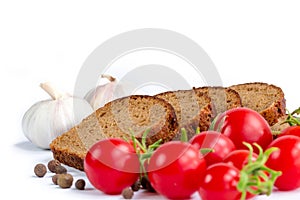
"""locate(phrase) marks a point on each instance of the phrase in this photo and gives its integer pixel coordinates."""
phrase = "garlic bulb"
(47, 119)
(102, 94)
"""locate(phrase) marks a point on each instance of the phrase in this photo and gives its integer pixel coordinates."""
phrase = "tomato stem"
(144, 137)
(291, 119)
(297, 111)
(197, 130)
(213, 123)
(255, 177)
(134, 142)
(206, 150)
(143, 152)
(217, 123)
(183, 137)
(155, 145)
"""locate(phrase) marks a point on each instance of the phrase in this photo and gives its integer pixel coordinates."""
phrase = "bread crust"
(276, 109)
(67, 156)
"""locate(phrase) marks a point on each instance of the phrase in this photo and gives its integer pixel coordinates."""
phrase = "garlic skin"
(47, 119)
(102, 94)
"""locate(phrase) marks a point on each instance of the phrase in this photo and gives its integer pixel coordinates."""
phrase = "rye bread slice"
(193, 109)
(222, 98)
(137, 113)
(264, 98)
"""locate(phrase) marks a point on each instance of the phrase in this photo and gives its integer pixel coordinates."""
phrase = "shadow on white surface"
(28, 146)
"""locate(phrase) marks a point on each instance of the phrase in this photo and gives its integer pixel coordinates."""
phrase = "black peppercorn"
(52, 165)
(40, 170)
(65, 180)
(54, 178)
(60, 169)
(127, 193)
(136, 186)
(80, 184)
(147, 185)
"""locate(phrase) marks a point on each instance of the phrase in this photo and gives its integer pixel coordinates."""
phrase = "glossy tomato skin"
(286, 160)
(219, 143)
(176, 170)
(220, 183)
(291, 130)
(239, 158)
(245, 125)
(111, 165)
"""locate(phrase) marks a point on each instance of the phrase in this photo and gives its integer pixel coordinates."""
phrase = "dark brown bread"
(266, 99)
(222, 98)
(193, 109)
(116, 119)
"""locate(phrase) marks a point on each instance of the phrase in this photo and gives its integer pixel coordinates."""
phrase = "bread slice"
(280, 126)
(222, 98)
(193, 109)
(266, 99)
(137, 113)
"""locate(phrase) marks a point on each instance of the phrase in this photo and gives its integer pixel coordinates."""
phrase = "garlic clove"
(47, 119)
(102, 94)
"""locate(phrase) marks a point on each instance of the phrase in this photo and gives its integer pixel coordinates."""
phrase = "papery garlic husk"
(47, 119)
(102, 94)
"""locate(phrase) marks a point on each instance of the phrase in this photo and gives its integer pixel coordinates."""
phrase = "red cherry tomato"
(286, 160)
(239, 158)
(176, 170)
(219, 143)
(245, 125)
(291, 130)
(111, 165)
(220, 182)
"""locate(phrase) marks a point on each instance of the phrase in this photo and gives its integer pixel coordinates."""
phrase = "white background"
(49, 41)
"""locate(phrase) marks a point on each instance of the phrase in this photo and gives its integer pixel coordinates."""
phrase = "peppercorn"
(143, 182)
(54, 178)
(147, 185)
(136, 186)
(60, 169)
(52, 165)
(65, 180)
(127, 193)
(40, 170)
(80, 184)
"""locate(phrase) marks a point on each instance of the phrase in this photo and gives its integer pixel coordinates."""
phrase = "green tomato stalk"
(255, 177)
(143, 151)
(291, 119)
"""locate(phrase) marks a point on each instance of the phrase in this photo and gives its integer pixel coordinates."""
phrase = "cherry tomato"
(176, 170)
(245, 125)
(220, 182)
(111, 165)
(219, 143)
(291, 130)
(286, 160)
(239, 158)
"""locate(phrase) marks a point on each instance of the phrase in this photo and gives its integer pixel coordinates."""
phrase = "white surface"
(49, 41)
